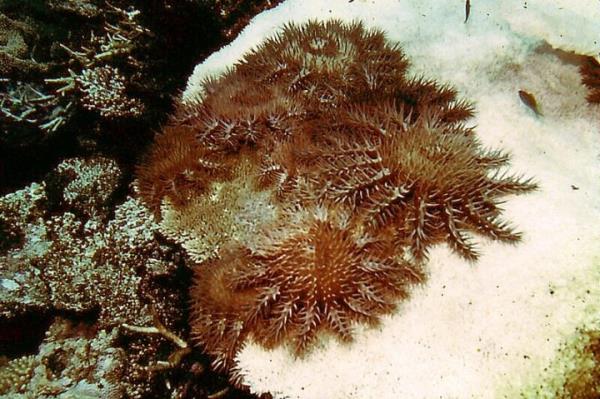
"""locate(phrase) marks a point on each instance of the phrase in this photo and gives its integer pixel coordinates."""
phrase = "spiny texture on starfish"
(236, 112)
(590, 76)
(178, 167)
(327, 64)
(321, 119)
(426, 183)
(314, 271)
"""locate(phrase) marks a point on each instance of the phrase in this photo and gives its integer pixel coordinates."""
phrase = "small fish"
(529, 100)
(467, 10)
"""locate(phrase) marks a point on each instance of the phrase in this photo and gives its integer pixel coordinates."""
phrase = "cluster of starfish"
(365, 168)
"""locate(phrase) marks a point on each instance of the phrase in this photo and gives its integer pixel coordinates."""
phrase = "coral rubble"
(362, 169)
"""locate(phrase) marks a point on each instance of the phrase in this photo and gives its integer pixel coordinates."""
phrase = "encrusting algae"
(356, 169)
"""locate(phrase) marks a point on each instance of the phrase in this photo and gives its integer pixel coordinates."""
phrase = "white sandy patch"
(485, 330)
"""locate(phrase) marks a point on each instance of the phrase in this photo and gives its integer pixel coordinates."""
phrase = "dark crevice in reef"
(21, 165)
(10, 237)
(22, 335)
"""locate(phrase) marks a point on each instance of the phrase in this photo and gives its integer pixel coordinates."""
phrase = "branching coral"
(97, 83)
(103, 90)
(27, 103)
(359, 167)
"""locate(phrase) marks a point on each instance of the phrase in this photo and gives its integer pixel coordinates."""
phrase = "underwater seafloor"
(97, 258)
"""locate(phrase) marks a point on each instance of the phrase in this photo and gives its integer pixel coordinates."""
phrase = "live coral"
(363, 170)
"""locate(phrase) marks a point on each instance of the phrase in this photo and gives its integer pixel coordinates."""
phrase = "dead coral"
(28, 103)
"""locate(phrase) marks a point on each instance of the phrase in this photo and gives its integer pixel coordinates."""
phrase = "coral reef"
(75, 257)
(55, 100)
(64, 252)
(27, 103)
(84, 187)
(103, 90)
(92, 80)
(100, 87)
(16, 374)
(361, 169)
(22, 288)
(80, 78)
(109, 278)
(82, 8)
(113, 39)
(73, 361)
(15, 40)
